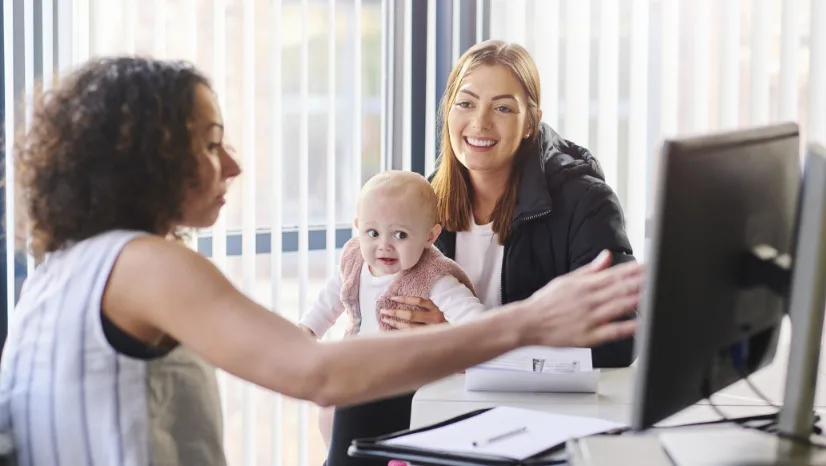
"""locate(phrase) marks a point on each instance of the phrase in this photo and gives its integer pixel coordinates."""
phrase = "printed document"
(536, 369)
(513, 433)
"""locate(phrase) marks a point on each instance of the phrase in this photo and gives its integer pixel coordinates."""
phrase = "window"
(617, 77)
(237, 45)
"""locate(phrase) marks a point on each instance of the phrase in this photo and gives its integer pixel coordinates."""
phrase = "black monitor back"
(701, 327)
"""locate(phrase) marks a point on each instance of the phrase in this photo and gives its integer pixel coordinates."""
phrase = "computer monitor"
(708, 317)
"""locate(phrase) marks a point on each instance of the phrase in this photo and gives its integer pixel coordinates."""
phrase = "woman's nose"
(229, 165)
(481, 119)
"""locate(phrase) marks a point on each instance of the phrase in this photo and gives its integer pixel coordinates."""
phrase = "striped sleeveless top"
(68, 398)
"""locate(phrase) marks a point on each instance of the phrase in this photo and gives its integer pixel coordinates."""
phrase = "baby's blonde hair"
(412, 186)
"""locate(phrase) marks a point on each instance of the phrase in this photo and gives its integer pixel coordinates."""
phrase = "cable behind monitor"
(773, 425)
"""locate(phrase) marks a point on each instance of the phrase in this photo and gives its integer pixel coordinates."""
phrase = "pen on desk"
(479, 443)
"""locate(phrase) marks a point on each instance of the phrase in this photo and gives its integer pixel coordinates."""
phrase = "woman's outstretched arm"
(162, 287)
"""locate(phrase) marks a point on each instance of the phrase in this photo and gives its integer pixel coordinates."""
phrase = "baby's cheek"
(410, 258)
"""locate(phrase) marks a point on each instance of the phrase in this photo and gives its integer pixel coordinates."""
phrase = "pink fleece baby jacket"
(415, 281)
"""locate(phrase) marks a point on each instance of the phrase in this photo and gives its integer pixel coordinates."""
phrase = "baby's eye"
(373, 233)
(400, 235)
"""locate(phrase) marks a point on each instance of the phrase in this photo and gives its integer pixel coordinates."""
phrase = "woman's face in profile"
(486, 121)
(215, 165)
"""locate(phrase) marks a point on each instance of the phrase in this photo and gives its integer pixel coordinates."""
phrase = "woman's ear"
(533, 125)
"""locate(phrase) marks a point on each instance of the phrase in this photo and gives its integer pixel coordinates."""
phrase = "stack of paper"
(536, 369)
(506, 432)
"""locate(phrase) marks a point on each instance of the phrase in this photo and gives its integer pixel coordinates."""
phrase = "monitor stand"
(807, 298)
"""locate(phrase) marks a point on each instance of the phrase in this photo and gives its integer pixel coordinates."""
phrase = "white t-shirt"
(479, 253)
(455, 300)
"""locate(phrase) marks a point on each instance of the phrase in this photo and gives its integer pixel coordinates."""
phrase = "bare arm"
(168, 288)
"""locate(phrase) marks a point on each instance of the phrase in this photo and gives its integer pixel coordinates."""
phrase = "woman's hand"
(427, 314)
(581, 308)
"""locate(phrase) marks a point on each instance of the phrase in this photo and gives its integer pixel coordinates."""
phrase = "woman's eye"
(373, 233)
(504, 109)
(213, 146)
(400, 235)
(463, 104)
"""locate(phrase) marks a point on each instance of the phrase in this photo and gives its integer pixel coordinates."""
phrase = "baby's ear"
(356, 223)
(434, 234)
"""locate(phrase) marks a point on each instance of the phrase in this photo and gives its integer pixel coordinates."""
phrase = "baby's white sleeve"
(326, 309)
(455, 300)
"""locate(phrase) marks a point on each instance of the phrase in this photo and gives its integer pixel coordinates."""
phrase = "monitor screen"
(702, 327)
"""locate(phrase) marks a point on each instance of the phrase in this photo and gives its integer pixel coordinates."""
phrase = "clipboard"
(376, 448)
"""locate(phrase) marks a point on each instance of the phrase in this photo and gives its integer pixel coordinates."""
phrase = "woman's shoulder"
(144, 263)
(582, 195)
(571, 173)
(96, 252)
(140, 248)
(581, 182)
(155, 252)
(563, 164)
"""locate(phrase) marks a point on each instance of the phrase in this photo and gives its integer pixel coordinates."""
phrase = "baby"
(392, 256)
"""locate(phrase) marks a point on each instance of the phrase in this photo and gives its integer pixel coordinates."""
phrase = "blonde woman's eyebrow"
(498, 97)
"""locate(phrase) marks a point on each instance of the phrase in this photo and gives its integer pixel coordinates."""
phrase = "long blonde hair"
(451, 180)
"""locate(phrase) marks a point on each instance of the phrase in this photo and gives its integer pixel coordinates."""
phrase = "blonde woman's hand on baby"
(426, 314)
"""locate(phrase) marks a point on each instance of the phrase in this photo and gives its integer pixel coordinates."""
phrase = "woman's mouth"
(480, 144)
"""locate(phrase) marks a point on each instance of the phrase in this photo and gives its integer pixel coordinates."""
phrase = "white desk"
(447, 398)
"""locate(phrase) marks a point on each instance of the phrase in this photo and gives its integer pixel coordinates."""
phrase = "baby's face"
(393, 233)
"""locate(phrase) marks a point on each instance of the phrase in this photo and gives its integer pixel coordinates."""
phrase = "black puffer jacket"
(565, 215)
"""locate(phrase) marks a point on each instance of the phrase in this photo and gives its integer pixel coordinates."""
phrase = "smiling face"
(396, 221)
(488, 119)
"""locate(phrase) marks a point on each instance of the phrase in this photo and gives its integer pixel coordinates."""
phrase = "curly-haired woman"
(111, 349)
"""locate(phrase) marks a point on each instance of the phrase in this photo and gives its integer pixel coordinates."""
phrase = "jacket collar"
(544, 165)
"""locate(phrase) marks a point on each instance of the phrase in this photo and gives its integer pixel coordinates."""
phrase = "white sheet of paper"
(536, 369)
(541, 431)
(503, 380)
(544, 359)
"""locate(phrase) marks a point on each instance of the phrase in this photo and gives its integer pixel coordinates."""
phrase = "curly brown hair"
(109, 148)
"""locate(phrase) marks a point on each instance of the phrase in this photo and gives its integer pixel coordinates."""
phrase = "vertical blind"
(299, 84)
(304, 87)
(619, 76)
